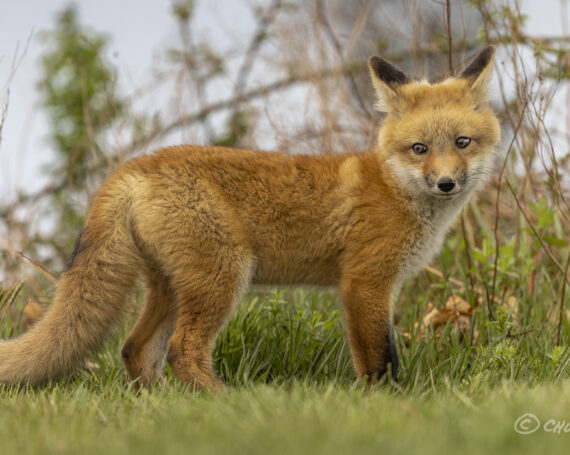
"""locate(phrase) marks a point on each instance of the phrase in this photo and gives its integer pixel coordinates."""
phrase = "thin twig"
(38, 268)
(4, 115)
(258, 38)
(496, 231)
(518, 334)
(449, 38)
(537, 235)
(467, 251)
(323, 20)
(562, 296)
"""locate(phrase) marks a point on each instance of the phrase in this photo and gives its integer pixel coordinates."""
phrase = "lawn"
(292, 388)
(296, 418)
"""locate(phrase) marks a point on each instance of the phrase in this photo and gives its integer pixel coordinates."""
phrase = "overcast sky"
(138, 29)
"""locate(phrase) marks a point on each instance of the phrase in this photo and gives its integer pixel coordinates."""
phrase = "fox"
(200, 224)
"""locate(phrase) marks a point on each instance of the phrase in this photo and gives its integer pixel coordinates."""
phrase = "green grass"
(298, 418)
(292, 389)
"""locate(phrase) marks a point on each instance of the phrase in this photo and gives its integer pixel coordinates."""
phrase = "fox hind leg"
(203, 308)
(201, 245)
(144, 352)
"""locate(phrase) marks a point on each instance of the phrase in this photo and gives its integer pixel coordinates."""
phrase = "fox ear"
(386, 79)
(478, 73)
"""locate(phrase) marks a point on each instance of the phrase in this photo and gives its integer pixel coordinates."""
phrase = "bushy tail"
(88, 302)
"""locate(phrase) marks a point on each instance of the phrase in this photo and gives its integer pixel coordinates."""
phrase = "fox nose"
(446, 184)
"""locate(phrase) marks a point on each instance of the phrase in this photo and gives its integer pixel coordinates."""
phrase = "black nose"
(446, 184)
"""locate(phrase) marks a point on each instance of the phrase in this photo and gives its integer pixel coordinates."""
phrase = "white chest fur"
(435, 218)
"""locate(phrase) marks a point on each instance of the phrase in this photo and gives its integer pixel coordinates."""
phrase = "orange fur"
(202, 223)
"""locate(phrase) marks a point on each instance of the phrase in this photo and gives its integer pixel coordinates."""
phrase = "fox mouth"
(444, 196)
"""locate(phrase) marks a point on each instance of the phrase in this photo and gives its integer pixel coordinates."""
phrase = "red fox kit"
(202, 223)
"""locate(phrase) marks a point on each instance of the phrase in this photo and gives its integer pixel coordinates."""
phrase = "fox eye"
(463, 142)
(419, 149)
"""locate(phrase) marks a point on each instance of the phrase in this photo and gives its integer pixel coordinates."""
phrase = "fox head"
(437, 140)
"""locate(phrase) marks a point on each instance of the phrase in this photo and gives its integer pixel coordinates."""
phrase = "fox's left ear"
(478, 73)
(386, 79)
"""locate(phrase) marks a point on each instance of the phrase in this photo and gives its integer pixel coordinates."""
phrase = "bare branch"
(257, 40)
(449, 38)
(323, 20)
(496, 230)
(562, 296)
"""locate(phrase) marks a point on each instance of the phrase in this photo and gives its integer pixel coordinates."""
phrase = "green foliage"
(546, 219)
(78, 90)
(183, 10)
(281, 337)
(8, 298)
(237, 127)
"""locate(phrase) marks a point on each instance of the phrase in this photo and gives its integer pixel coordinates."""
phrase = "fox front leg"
(369, 325)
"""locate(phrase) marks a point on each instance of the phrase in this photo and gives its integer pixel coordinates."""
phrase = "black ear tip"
(479, 63)
(488, 52)
(485, 55)
(376, 63)
(386, 72)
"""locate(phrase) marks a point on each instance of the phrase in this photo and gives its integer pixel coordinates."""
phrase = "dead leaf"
(32, 312)
(459, 305)
(438, 317)
(91, 366)
(456, 310)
